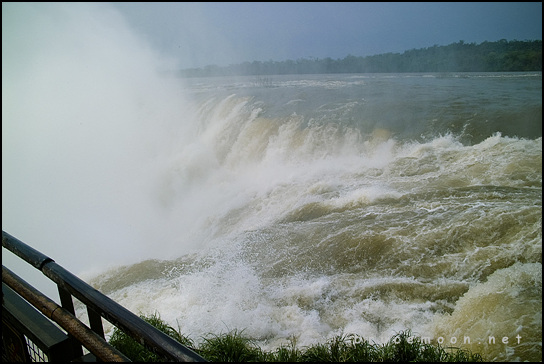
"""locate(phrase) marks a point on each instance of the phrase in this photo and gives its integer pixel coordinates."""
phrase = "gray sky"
(200, 34)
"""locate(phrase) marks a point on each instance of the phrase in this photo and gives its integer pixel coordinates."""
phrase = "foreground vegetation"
(234, 347)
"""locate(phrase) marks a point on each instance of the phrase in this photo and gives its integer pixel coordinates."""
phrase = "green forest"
(499, 56)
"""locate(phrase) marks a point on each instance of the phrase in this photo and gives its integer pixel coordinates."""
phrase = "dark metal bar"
(23, 251)
(95, 321)
(69, 284)
(66, 300)
(67, 303)
(131, 324)
(96, 345)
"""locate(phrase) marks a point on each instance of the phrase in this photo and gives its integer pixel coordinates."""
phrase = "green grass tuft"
(234, 347)
(136, 351)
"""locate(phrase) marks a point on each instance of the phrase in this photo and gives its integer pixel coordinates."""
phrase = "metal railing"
(21, 319)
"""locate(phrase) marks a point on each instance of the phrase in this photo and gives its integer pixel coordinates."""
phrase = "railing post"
(98, 306)
(95, 321)
(96, 345)
(67, 303)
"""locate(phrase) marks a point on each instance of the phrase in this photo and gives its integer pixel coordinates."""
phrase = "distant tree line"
(499, 56)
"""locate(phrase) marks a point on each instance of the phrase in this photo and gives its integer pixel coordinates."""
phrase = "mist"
(88, 125)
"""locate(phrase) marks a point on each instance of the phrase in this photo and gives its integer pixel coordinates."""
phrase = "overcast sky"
(200, 34)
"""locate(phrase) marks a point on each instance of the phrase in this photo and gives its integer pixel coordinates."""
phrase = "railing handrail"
(110, 310)
(90, 339)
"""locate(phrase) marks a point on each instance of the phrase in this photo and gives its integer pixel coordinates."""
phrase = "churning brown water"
(365, 204)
